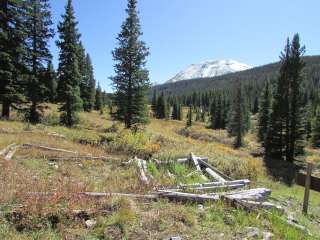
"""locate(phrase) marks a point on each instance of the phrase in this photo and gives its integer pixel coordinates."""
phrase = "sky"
(183, 32)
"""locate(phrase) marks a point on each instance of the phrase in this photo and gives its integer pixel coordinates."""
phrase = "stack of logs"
(221, 187)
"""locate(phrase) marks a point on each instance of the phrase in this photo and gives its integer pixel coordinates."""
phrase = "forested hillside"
(254, 77)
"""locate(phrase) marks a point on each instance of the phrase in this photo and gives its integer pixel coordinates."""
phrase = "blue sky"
(182, 32)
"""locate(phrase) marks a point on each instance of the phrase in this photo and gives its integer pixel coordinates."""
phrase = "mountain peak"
(210, 68)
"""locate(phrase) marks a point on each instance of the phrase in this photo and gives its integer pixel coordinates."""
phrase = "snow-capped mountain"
(210, 69)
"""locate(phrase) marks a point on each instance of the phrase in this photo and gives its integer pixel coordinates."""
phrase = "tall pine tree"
(285, 138)
(89, 86)
(68, 71)
(98, 99)
(238, 124)
(50, 78)
(12, 54)
(264, 113)
(131, 81)
(39, 32)
(189, 117)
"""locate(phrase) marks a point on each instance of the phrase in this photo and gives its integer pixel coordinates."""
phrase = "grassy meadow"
(24, 215)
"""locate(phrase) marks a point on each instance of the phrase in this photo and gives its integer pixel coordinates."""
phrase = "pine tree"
(238, 124)
(39, 32)
(285, 138)
(295, 146)
(98, 99)
(50, 78)
(12, 54)
(154, 103)
(161, 107)
(189, 117)
(89, 86)
(275, 140)
(179, 112)
(175, 111)
(315, 139)
(131, 81)
(264, 114)
(68, 71)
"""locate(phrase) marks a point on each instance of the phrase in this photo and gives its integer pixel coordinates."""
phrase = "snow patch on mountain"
(210, 68)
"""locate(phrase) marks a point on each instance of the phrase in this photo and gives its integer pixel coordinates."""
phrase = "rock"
(200, 207)
(90, 223)
(267, 235)
(175, 238)
(252, 232)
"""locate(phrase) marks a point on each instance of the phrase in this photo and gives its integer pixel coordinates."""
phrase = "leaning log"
(51, 149)
(214, 175)
(207, 165)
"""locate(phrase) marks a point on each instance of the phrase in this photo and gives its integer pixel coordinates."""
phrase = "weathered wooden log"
(208, 188)
(11, 152)
(195, 163)
(79, 158)
(208, 184)
(214, 175)
(257, 194)
(129, 195)
(185, 197)
(6, 149)
(207, 165)
(187, 160)
(265, 205)
(51, 149)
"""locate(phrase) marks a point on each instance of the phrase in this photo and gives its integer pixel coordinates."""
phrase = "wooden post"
(307, 189)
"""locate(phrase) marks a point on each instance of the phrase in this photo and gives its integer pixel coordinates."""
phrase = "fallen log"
(129, 195)
(209, 188)
(257, 194)
(79, 158)
(265, 205)
(214, 175)
(207, 184)
(194, 161)
(185, 197)
(51, 149)
(6, 149)
(11, 152)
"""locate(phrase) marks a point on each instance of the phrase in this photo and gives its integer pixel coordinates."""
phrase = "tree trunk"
(5, 110)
